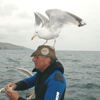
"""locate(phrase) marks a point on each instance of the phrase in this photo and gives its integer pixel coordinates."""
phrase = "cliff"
(9, 46)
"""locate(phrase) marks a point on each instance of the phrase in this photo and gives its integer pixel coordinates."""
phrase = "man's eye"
(37, 57)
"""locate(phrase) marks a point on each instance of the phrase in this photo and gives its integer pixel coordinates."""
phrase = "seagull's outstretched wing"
(23, 71)
(42, 17)
(38, 20)
(64, 17)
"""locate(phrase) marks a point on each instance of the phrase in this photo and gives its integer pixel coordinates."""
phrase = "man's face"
(40, 62)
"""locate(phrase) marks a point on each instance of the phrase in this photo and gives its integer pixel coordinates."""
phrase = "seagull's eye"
(36, 32)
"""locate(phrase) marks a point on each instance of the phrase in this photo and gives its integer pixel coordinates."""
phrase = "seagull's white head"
(35, 34)
(37, 31)
(41, 32)
(41, 26)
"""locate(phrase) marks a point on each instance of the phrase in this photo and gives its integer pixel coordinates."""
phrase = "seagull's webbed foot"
(45, 42)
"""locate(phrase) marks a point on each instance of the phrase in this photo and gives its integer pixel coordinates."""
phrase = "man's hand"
(12, 95)
(10, 85)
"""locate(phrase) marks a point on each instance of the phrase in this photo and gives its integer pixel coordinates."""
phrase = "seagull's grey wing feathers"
(80, 21)
(38, 20)
(23, 71)
(43, 18)
(64, 17)
(55, 27)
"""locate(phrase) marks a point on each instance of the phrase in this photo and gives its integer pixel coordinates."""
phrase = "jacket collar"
(54, 66)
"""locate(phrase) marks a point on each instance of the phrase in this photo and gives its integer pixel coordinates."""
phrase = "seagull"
(50, 28)
(24, 72)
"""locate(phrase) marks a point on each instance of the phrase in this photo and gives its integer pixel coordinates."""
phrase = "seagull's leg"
(45, 42)
(54, 42)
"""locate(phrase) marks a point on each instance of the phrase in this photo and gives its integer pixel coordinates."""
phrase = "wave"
(13, 60)
(88, 86)
(76, 60)
(92, 85)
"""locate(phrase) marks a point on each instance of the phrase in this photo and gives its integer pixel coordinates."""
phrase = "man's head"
(43, 56)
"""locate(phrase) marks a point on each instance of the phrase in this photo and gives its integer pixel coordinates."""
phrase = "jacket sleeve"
(20, 98)
(21, 85)
(30, 81)
(26, 83)
(56, 86)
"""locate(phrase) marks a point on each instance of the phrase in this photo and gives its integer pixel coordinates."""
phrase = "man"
(49, 81)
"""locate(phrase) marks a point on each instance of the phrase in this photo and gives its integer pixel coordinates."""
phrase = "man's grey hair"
(51, 61)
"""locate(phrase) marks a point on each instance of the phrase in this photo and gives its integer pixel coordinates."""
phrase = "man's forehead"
(38, 56)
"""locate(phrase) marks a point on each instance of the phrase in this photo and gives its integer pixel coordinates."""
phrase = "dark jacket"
(50, 84)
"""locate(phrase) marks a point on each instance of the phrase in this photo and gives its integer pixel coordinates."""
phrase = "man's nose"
(33, 59)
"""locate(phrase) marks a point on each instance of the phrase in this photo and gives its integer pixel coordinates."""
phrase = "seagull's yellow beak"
(33, 37)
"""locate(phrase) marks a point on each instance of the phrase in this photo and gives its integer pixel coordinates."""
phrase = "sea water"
(82, 72)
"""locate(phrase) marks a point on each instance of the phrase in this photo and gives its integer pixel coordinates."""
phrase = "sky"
(17, 23)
